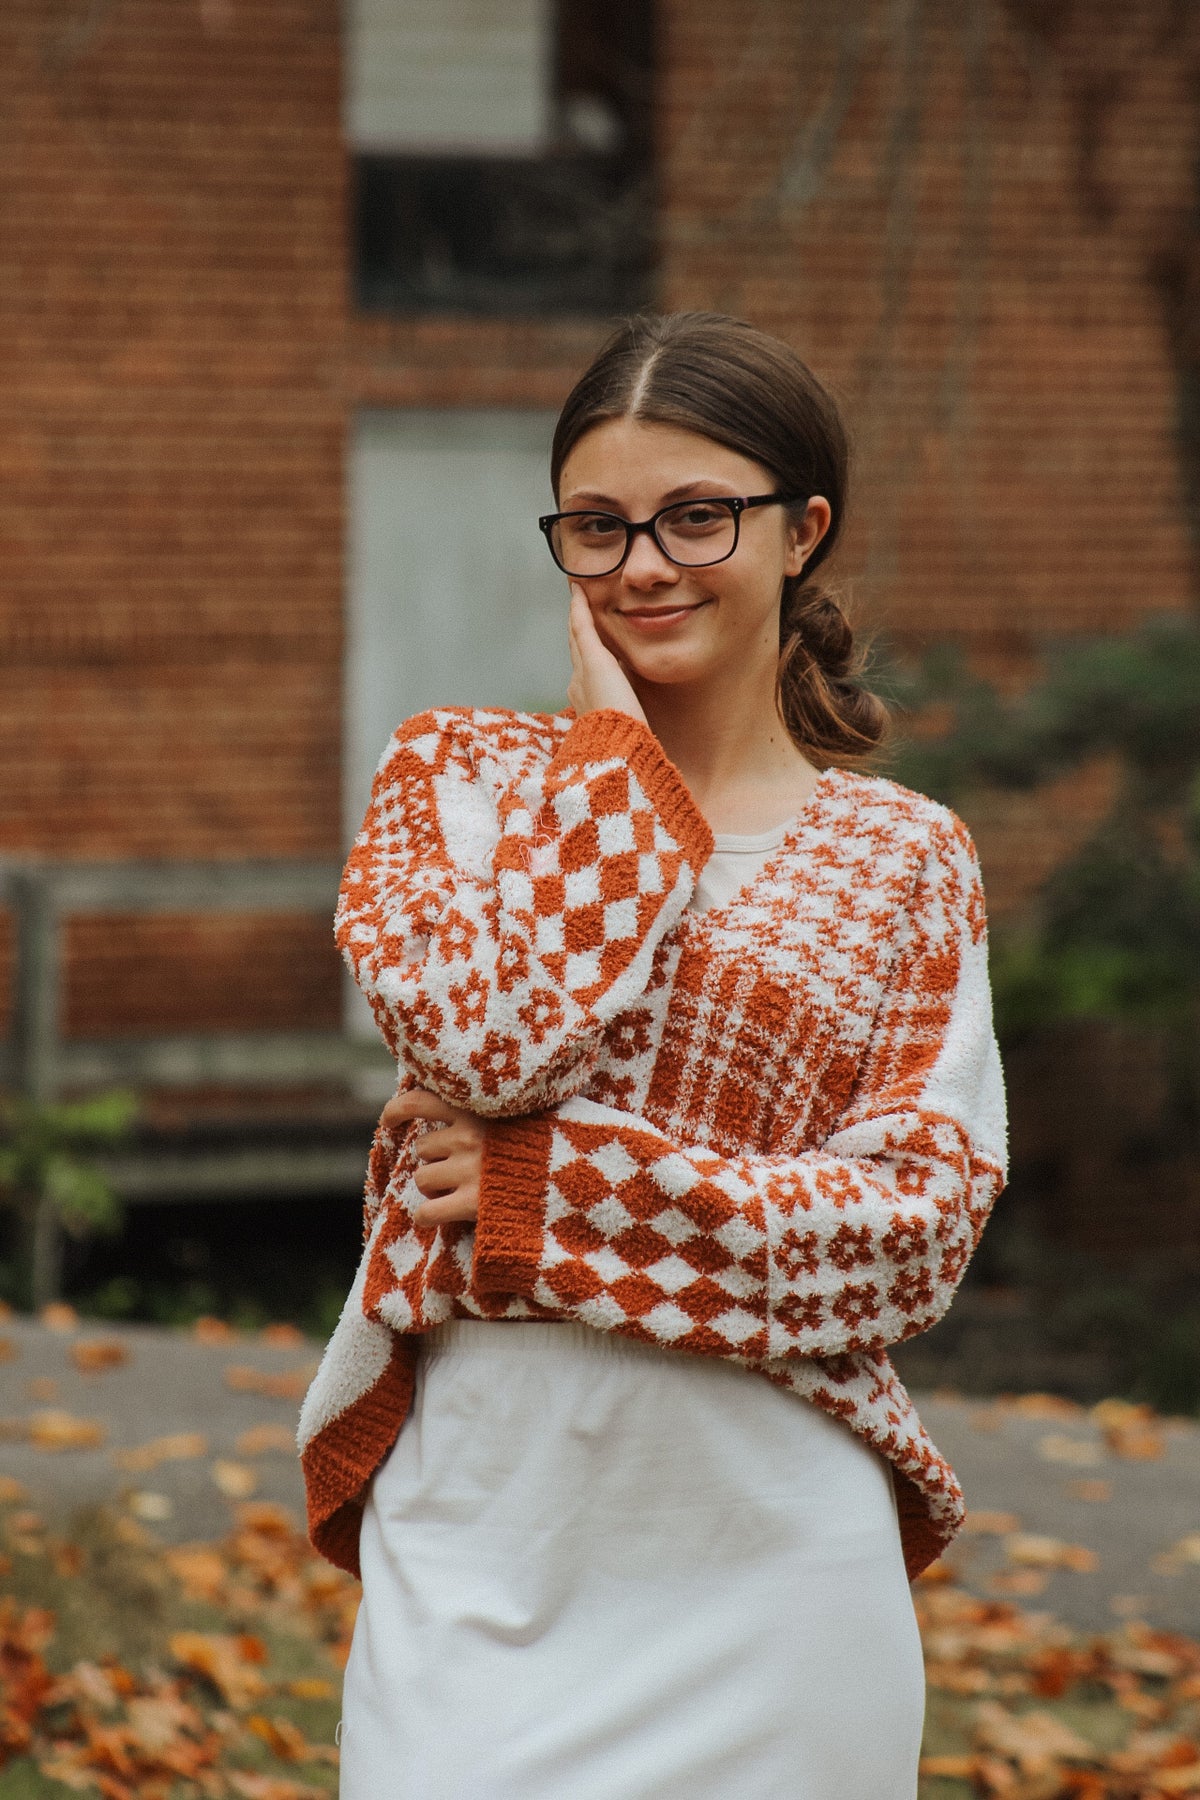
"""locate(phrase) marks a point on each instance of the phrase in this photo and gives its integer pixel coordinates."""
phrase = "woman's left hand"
(450, 1158)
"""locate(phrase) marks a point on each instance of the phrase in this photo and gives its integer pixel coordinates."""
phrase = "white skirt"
(597, 1570)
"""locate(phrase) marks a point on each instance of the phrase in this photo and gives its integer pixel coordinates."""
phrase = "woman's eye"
(598, 525)
(702, 516)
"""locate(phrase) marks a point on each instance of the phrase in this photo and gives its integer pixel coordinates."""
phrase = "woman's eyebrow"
(686, 488)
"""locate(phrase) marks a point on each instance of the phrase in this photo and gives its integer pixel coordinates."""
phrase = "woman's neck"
(733, 751)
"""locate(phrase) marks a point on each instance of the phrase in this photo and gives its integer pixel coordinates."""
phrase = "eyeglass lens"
(693, 534)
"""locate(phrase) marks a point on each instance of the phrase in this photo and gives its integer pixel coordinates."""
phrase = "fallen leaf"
(11, 1490)
(208, 1330)
(269, 1787)
(1058, 1447)
(8, 1350)
(283, 1337)
(200, 1570)
(1026, 1583)
(177, 1446)
(93, 1355)
(230, 1663)
(54, 1430)
(949, 1768)
(236, 1480)
(284, 1739)
(150, 1507)
(58, 1316)
(263, 1440)
(1035, 1741)
(310, 1687)
(290, 1384)
(1093, 1491)
(1038, 1552)
(981, 1523)
(1131, 1429)
(1039, 1406)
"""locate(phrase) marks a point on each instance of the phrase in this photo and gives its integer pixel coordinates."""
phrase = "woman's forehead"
(642, 457)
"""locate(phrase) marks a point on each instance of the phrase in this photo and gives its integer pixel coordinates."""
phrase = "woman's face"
(669, 624)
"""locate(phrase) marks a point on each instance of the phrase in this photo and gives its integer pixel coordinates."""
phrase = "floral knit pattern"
(770, 1132)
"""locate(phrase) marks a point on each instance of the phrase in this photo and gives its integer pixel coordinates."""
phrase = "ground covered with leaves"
(139, 1671)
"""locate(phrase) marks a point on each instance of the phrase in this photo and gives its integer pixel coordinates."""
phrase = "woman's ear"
(806, 533)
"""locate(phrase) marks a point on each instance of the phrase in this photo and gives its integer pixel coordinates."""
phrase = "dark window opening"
(567, 230)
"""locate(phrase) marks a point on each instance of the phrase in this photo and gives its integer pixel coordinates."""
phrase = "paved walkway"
(183, 1429)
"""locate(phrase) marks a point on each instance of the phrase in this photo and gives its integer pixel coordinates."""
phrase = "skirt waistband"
(540, 1338)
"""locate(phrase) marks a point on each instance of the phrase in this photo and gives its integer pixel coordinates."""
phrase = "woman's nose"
(646, 566)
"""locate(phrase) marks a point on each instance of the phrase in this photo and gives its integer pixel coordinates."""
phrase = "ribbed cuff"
(608, 732)
(512, 1200)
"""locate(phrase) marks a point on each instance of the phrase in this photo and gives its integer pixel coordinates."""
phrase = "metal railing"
(40, 1064)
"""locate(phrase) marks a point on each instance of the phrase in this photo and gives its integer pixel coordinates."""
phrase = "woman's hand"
(451, 1158)
(597, 678)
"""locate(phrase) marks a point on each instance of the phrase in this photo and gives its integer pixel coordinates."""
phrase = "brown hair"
(730, 382)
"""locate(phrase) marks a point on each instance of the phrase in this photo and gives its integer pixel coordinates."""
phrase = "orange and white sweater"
(770, 1132)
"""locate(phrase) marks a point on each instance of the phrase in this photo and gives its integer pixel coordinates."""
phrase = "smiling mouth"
(651, 614)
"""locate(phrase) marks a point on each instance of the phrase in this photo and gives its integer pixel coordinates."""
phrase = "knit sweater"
(769, 1132)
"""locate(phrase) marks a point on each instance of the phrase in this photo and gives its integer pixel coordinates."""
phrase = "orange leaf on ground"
(199, 1569)
(283, 1337)
(1057, 1446)
(230, 1663)
(1035, 1741)
(310, 1687)
(54, 1430)
(290, 1384)
(1025, 1584)
(1092, 1490)
(207, 1330)
(981, 1523)
(93, 1355)
(1038, 1552)
(236, 1480)
(177, 1446)
(949, 1768)
(250, 1786)
(1039, 1406)
(8, 1350)
(11, 1490)
(264, 1440)
(58, 1316)
(286, 1741)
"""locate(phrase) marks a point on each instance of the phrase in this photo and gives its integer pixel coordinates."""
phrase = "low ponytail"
(827, 712)
(730, 382)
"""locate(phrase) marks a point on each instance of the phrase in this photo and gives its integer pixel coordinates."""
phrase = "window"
(452, 598)
(502, 154)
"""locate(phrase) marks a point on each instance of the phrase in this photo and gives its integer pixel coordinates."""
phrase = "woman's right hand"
(597, 678)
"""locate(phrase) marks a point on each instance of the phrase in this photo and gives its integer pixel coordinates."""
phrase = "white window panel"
(453, 598)
(448, 75)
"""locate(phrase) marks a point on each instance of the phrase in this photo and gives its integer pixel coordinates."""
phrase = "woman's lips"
(660, 618)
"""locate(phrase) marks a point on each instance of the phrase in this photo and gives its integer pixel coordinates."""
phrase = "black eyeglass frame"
(738, 504)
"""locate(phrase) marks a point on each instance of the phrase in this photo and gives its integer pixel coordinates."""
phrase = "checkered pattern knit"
(770, 1132)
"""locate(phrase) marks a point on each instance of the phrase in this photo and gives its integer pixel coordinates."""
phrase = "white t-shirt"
(736, 859)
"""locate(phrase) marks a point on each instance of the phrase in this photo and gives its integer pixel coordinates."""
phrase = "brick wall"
(958, 211)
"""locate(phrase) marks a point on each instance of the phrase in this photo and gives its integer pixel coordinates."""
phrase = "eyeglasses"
(694, 534)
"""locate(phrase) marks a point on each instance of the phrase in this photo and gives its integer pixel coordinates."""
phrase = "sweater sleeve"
(497, 929)
(603, 1218)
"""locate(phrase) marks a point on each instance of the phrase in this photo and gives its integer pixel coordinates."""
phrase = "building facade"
(272, 433)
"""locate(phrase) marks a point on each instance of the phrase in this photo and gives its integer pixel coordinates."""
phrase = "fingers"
(418, 1103)
(446, 1174)
(460, 1207)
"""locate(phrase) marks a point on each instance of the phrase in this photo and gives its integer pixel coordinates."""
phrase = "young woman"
(699, 1109)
